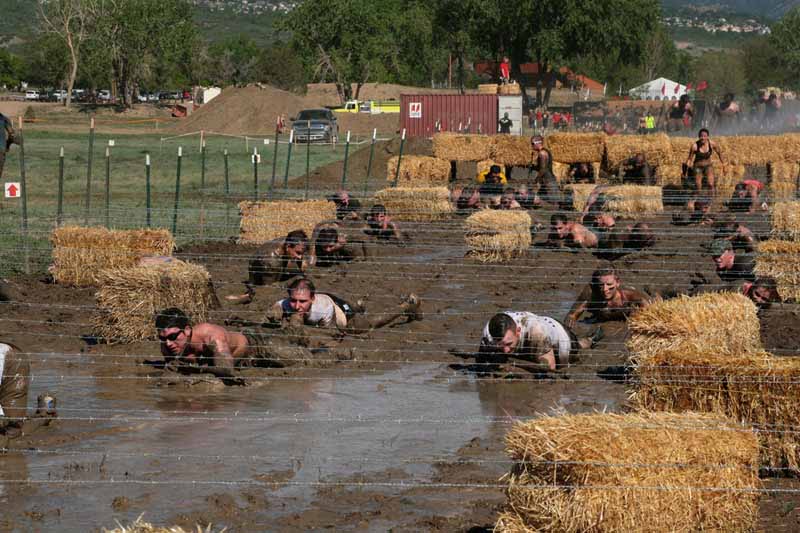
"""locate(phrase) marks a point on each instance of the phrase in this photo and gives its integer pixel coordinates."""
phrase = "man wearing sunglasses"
(215, 350)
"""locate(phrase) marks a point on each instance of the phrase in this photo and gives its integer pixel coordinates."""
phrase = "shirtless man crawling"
(212, 349)
(606, 299)
(570, 233)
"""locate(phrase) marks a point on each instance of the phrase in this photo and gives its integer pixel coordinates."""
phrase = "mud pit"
(385, 432)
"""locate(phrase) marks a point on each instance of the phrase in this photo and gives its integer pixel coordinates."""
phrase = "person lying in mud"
(763, 292)
(581, 173)
(733, 266)
(600, 232)
(15, 378)
(606, 299)
(564, 232)
(541, 340)
(748, 196)
(279, 260)
(346, 207)
(212, 349)
(636, 171)
(508, 200)
(337, 242)
(305, 306)
(698, 212)
(381, 226)
(467, 198)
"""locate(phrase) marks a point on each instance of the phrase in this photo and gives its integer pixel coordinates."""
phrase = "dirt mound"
(325, 93)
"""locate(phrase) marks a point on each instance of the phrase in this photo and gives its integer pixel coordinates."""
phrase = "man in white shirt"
(304, 305)
(536, 338)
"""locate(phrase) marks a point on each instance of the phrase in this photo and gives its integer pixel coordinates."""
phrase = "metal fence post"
(177, 192)
(399, 158)
(88, 199)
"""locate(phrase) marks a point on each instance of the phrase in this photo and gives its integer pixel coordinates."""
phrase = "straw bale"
(416, 204)
(512, 150)
(79, 253)
(140, 526)
(721, 319)
(680, 149)
(635, 473)
(576, 147)
(265, 221)
(790, 146)
(752, 386)
(657, 149)
(495, 236)
(781, 260)
(129, 297)
(670, 174)
(487, 88)
(786, 221)
(462, 147)
(630, 200)
(509, 89)
(561, 171)
(419, 171)
(726, 182)
(580, 193)
(752, 149)
(783, 179)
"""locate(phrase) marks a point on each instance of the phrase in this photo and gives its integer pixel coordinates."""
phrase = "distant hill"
(770, 9)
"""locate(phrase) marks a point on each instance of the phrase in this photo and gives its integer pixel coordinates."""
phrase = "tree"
(724, 72)
(71, 20)
(47, 61)
(762, 63)
(10, 69)
(280, 66)
(785, 38)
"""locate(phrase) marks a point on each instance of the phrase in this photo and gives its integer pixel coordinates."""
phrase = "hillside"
(770, 9)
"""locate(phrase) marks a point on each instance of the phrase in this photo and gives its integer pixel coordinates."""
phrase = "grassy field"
(205, 210)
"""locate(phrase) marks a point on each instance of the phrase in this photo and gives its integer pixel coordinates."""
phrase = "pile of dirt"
(326, 95)
(253, 110)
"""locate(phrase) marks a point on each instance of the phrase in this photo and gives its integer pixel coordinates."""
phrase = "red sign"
(415, 110)
(12, 189)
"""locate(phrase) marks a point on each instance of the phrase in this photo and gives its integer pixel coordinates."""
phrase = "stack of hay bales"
(419, 171)
(621, 200)
(783, 179)
(657, 149)
(781, 260)
(487, 88)
(459, 147)
(580, 194)
(751, 149)
(512, 150)
(704, 354)
(80, 253)
(509, 89)
(129, 297)
(495, 236)
(561, 171)
(576, 147)
(634, 473)
(726, 182)
(671, 171)
(418, 204)
(265, 221)
(786, 221)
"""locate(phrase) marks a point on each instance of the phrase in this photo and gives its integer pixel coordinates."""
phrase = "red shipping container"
(468, 113)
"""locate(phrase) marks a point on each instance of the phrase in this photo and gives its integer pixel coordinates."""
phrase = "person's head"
(505, 59)
(301, 293)
(294, 245)
(327, 240)
(638, 160)
(740, 191)
(522, 191)
(559, 224)
(173, 329)
(641, 237)
(604, 221)
(507, 199)
(504, 332)
(493, 176)
(702, 205)
(605, 283)
(722, 253)
(378, 213)
(343, 197)
(703, 134)
(729, 97)
(764, 292)
(469, 198)
(537, 142)
(505, 115)
(773, 96)
(583, 168)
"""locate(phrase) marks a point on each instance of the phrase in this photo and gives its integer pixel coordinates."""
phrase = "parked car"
(58, 96)
(142, 97)
(104, 95)
(315, 125)
(32, 95)
(153, 97)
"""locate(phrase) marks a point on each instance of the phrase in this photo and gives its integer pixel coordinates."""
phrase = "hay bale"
(495, 236)
(790, 146)
(265, 221)
(416, 204)
(561, 171)
(752, 386)
(634, 472)
(781, 260)
(670, 174)
(140, 526)
(752, 149)
(129, 297)
(726, 182)
(786, 221)
(419, 171)
(783, 179)
(512, 150)
(580, 193)
(509, 89)
(487, 88)
(79, 253)
(657, 149)
(723, 320)
(461, 147)
(576, 147)
(633, 200)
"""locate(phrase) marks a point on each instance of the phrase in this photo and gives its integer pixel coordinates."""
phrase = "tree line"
(151, 44)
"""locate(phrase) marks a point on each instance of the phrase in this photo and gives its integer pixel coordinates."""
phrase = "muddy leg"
(409, 309)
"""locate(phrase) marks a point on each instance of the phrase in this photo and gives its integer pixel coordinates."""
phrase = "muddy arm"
(14, 390)
(579, 307)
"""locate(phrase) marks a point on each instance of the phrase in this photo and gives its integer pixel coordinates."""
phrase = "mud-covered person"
(347, 207)
(541, 340)
(637, 171)
(336, 242)
(382, 227)
(303, 305)
(278, 260)
(564, 232)
(606, 299)
(212, 349)
(548, 188)
(582, 173)
(748, 196)
(699, 160)
(734, 266)
(7, 137)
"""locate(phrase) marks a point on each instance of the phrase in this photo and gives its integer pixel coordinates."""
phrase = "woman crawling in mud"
(606, 299)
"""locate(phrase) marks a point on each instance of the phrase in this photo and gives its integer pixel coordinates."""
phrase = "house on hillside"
(658, 89)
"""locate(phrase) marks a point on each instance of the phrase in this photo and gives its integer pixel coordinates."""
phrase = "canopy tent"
(658, 89)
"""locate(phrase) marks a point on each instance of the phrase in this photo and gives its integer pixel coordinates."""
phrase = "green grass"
(205, 212)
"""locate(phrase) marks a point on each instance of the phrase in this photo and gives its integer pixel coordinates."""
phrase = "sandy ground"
(384, 432)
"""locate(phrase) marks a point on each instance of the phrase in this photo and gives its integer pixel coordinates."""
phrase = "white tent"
(658, 89)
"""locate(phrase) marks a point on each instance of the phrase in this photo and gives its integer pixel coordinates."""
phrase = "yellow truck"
(369, 106)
